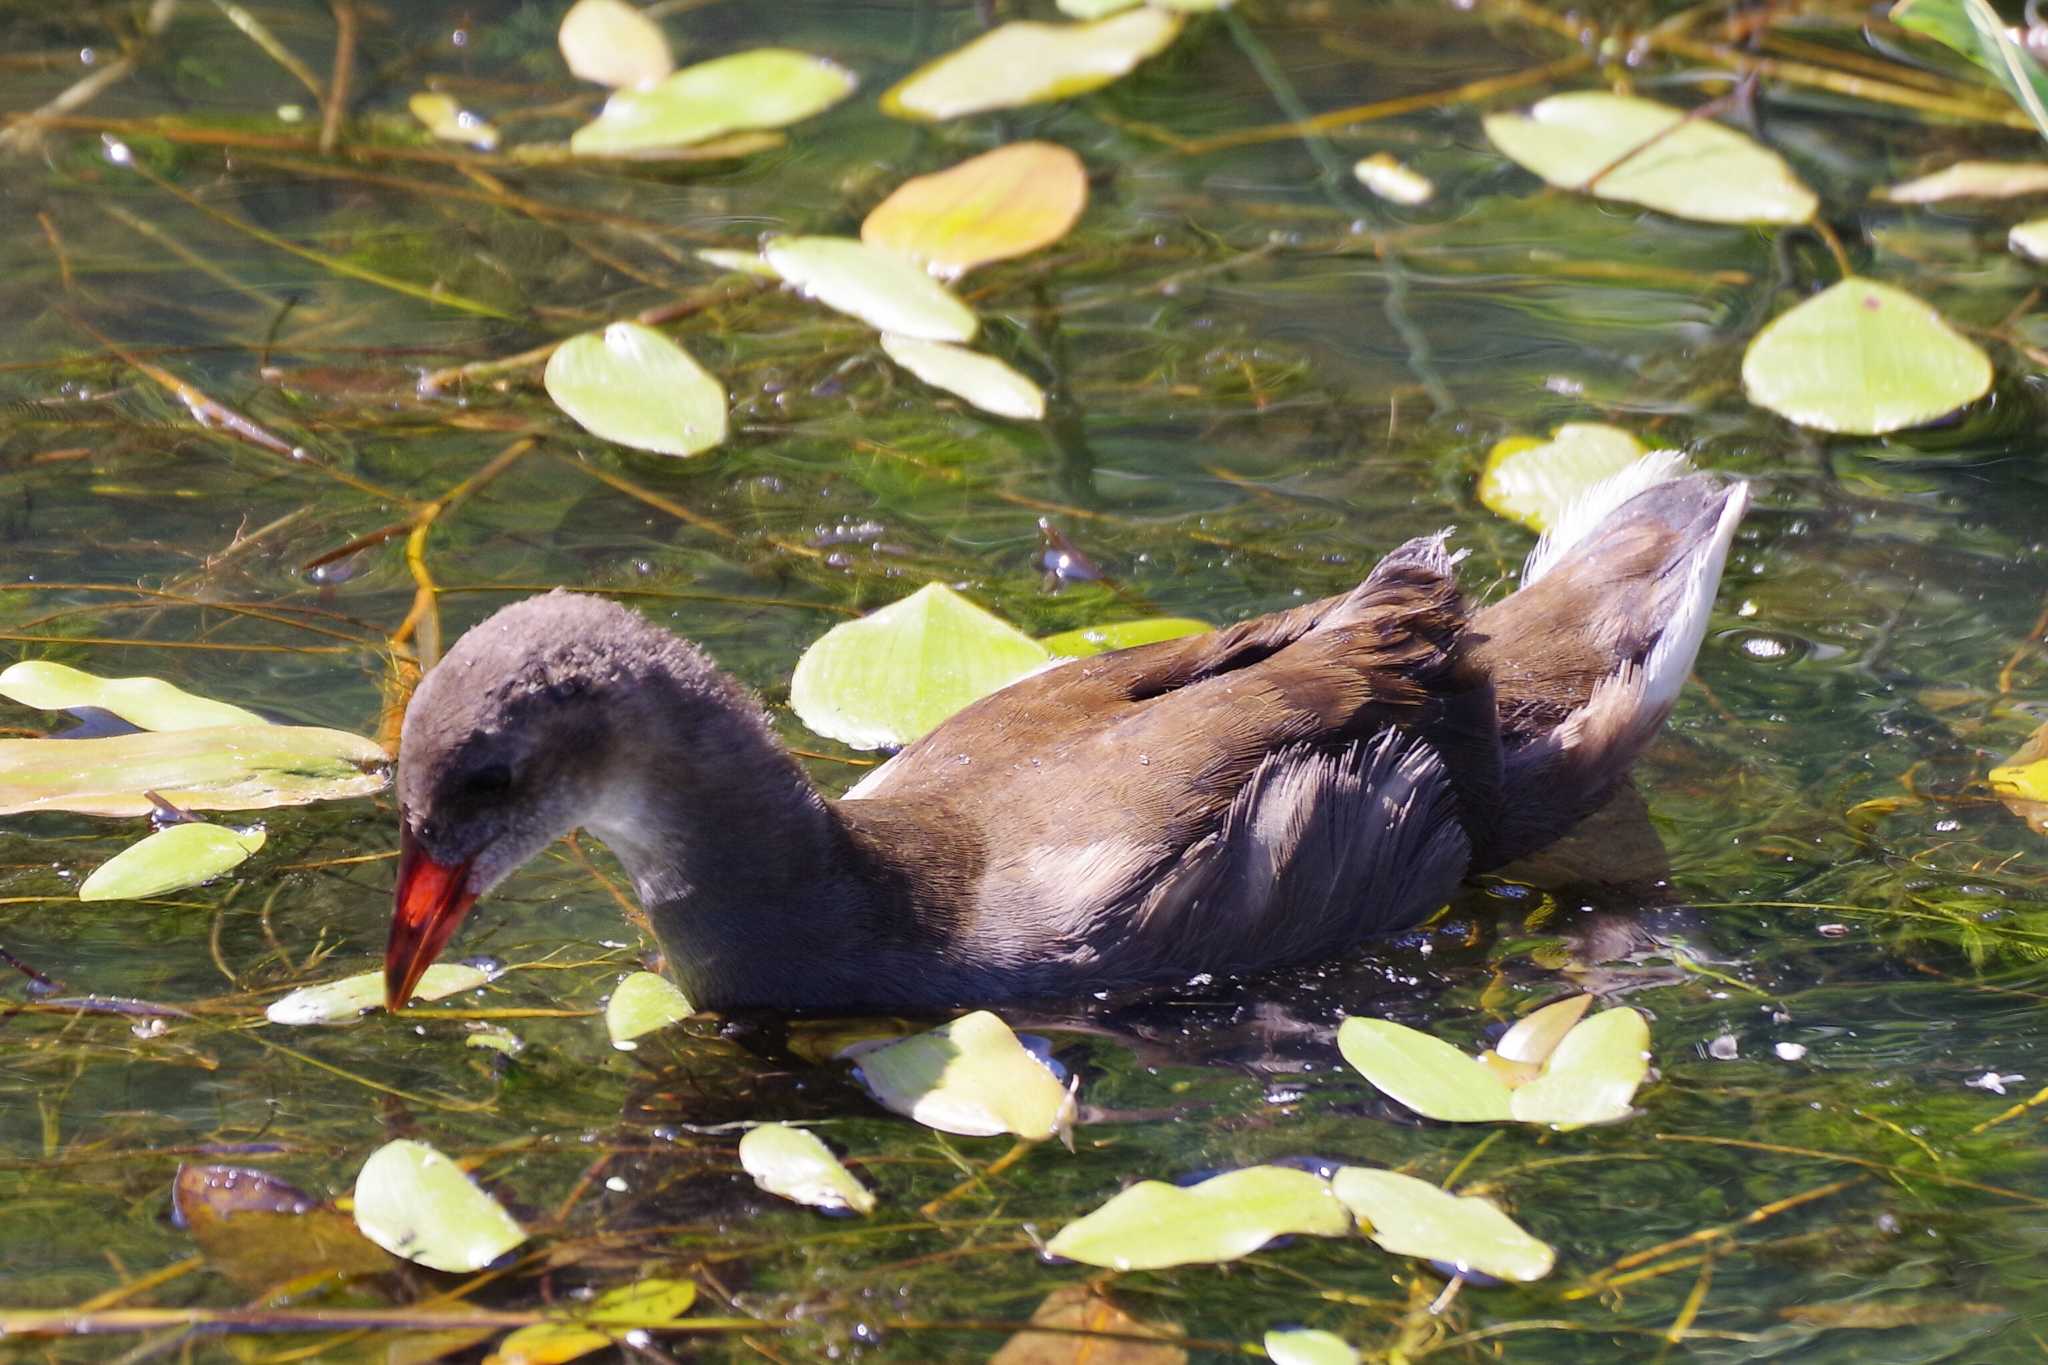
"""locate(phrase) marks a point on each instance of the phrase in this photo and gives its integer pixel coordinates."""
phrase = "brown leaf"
(1080, 1310)
(260, 1231)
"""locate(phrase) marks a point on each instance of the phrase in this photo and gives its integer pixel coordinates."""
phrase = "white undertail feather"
(1587, 510)
(1636, 701)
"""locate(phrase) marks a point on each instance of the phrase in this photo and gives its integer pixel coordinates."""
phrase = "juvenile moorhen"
(1266, 793)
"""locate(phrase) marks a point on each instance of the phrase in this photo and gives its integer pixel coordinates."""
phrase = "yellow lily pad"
(416, 1203)
(1026, 62)
(1154, 1224)
(767, 88)
(145, 703)
(1411, 1217)
(1008, 202)
(642, 1003)
(890, 293)
(795, 1164)
(982, 380)
(612, 43)
(970, 1077)
(171, 859)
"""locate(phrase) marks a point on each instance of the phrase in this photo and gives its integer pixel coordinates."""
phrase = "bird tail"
(1588, 657)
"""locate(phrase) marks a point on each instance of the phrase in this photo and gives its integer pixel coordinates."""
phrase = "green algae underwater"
(288, 284)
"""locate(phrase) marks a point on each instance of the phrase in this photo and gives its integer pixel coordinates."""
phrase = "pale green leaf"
(795, 1164)
(612, 43)
(1975, 29)
(229, 767)
(898, 672)
(1411, 1217)
(1025, 62)
(174, 857)
(338, 1002)
(633, 385)
(1392, 180)
(1308, 1346)
(1426, 1074)
(1100, 639)
(1154, 1224)
(1641, 152)
(492, 1037)
(982, 380)
(971, 1077)
(648, 1304)
(640, 1004)
(1592, 1075)
(444, 117)
(1533, 482)
(766, 88)
(1865, 358)
(888, 292)
(1972, 180)
(992, 207)
(145, 703)
(746, 262)
(1536, 1034)
(2030, 239)
(416, 1203)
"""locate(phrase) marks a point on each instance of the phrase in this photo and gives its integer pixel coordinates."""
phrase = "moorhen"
(1267, 793)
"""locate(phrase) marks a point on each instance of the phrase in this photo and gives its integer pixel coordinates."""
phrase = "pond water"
(1261, 378)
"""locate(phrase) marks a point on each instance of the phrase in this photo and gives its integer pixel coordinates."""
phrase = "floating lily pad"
(1154, 1224)
(1427, 1074)
(338, 1002)
(896, 673)
(970, 1077)
(228, 767)
(1392, 180)
(767, 88)
(608, 1318)
(1089, 640)
(1536, 1034)
(1025, 62)
(746, 262)
(1641, 152)
(612, 43)
(444, 117)
(888, 292)
(2030, 239)
(1411, 1217)
(982, 380)
(1592, 1075)
(1865, 358)
(2021, 782)
(1309, 1346)
(1000, 204)
(633, 385)
(795, 1164)
(145, 703)
(641, 1004)
(1972, 180)
(1533, 482)
(416, 1203)
(170, 860)
(493, 1038)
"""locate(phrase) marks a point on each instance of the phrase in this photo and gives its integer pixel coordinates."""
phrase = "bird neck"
(741, 864)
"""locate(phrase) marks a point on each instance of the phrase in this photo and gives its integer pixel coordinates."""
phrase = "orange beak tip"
(430, 901)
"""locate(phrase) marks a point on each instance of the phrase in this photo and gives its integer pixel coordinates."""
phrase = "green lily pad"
(1309, 1346)
(1025, 62)
(1972, 180)
(1090, 640)
(612, 43)
(1536, 1034)
(226, 767)
(888, 292)
(982, 380)
(633, 385)
(609, 1317)
(970, 1077)
(1427, 1074)
(641, 1004)
(338, 1002)
(169, 860)
(1975, 29)
(795, 1164)
(1411, 1217)
(1591, 1076)
(2030, 239)
(492, 1038)
(416, 1203)
(1864, 358)
(1154, 1224)
(896, 673)
(145, 703)
(745, 262)
(1651, 154)
(767, 88)
(1533, 482)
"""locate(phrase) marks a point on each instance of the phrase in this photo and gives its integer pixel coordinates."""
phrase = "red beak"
(431, 900)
